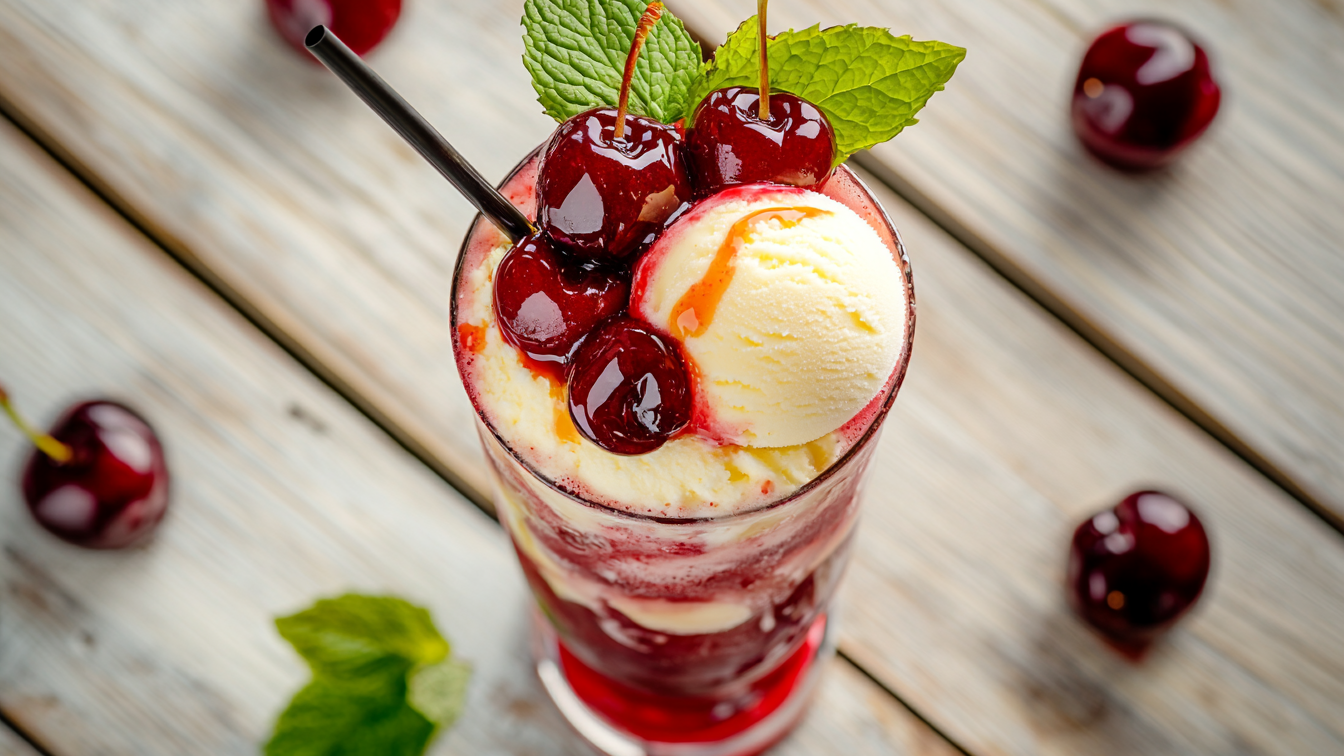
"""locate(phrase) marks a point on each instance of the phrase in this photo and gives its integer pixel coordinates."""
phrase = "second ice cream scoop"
(788, 305)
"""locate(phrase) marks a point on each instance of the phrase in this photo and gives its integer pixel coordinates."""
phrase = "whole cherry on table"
(1145, 92)
(98, 479)
(1137, 568)
(360, 24)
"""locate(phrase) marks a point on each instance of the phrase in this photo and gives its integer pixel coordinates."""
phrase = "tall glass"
(681, 637)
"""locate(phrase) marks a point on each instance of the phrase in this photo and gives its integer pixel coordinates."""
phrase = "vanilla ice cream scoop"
(788, 304)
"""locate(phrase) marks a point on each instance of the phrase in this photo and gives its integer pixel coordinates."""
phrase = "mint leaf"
(353, 637)
(439, 691)
(575, 51)
(331, 719)
(382, 680)
(868, 82)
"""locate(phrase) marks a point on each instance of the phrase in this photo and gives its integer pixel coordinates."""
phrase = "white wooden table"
(315, 421)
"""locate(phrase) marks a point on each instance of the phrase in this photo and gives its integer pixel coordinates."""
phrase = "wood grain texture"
(1216, 282)
(271, 179)
(281, 493)
(1007, 434)
(12, 745)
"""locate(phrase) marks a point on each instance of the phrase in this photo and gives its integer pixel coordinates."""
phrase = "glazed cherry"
(603, 197)
(728, 143)
(546, 302)
(360, 24)
(1144, 93)
(113, 489)
(629, 389)
(1135, 569)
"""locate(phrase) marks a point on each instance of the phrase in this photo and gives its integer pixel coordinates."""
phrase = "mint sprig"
(869, 82)
(576, 50)
(383, 680)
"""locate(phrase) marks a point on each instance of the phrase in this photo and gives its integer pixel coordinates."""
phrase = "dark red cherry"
(603, 197)
(546, 302)
(1135, 569)
(1144, 93)
(629, 390)
(729, 144)
(113, 491)
(360, 24)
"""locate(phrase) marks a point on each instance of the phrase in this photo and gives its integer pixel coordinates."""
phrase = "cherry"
(744, 136)
(360, 24)
(1136, 568)
(728, 144)
(629, 389)
(1144, 93)
(546, 303)
(603, 196)
(98, 479)
(608, 179)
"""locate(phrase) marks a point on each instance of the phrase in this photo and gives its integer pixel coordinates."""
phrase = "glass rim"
(869, 433)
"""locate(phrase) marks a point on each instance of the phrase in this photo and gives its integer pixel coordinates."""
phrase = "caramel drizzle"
(564, 424)
(472, 337)
(693, 313)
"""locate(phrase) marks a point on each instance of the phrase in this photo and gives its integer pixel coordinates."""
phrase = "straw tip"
(315, 36)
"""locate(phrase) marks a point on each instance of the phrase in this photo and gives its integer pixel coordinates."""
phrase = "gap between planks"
(875, 680)
(1124, 359)
(17, 734)
(181, 254)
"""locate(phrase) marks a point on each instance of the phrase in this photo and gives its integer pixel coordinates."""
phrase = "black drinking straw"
(413, 127)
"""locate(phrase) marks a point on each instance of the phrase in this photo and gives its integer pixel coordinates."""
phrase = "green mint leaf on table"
(353, 636)
(383, 681)
(869, 82)
(439, 691)
(328, 718)
(576, 50)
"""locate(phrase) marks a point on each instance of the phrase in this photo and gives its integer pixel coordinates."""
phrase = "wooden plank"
(1009, 427)
(1007, 434)
(281, 493)
(1217, 282)
(12, 745)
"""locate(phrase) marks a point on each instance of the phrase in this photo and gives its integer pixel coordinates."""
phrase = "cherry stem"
(642, 29)
(49, 446)
(764, 114)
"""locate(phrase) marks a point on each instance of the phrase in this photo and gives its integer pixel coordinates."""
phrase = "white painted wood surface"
(1008, 432)
(1218, 281)
(282, 493)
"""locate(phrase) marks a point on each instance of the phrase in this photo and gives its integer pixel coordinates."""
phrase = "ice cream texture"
(787, 302)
